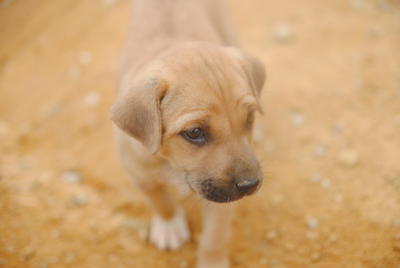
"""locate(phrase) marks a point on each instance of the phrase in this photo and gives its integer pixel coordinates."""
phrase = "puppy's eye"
(195, 135)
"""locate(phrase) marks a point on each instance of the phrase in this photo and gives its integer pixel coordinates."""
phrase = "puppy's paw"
(203, 263)
(169, 234)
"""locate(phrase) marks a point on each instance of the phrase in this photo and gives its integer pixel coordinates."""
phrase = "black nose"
(247, 186)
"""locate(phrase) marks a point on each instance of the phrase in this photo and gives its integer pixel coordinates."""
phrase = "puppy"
(184, 111)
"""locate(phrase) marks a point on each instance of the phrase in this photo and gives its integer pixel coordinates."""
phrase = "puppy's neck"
(179, 20)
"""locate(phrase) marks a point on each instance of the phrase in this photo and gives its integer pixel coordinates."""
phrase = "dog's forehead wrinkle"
(208, 66)
(207, 80)
(196, 118)
(216, 74)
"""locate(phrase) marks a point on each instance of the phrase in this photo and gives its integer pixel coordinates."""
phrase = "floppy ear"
(255, 70)
(137, 111)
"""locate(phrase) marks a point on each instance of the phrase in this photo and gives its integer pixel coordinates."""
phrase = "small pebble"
(320, 151)
(92, 99)
(85, 57)
(397, 236)
(297, 119)
(312, 222)
(271, 235)
(79, 200)
(348, 158)
(42, 265)
(284, 34)
(72, 176)
(326, 183)
(315, 178)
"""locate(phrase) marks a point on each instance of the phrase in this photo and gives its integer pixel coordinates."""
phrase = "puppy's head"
(195, 106)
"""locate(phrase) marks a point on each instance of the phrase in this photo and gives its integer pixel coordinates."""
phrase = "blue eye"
(195, 136)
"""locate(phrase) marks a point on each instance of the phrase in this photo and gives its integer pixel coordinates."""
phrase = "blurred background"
(330, 149)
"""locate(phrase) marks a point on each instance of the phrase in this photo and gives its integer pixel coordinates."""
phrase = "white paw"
(169, 234)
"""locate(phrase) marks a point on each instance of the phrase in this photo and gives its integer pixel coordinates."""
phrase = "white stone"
(92, 98)
(79, 200)
(85, 57)
(312, 222)
(271, 235)
(348, 158)
(297, 119)
(283, 33)
(72, 176)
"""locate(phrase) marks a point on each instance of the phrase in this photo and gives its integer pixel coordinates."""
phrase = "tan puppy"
(185, 111)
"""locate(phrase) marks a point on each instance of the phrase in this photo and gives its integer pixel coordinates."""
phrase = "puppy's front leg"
(168, 229)
(214, 242)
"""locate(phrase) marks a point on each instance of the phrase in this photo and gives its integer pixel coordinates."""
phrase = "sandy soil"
(330, 150)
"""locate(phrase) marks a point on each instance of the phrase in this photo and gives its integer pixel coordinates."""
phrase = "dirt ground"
(330, 148)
